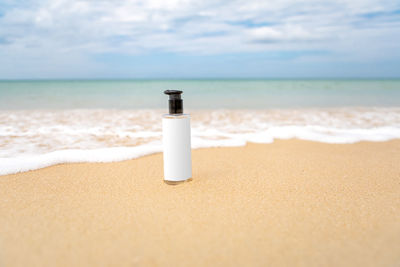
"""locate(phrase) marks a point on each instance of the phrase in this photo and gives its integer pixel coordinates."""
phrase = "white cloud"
(57, 28)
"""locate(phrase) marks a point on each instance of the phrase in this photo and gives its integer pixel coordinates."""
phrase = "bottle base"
(177, 182)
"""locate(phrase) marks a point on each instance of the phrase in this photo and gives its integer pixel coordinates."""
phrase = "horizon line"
(203, 78)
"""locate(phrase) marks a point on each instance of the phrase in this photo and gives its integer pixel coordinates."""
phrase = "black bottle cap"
(175, 101)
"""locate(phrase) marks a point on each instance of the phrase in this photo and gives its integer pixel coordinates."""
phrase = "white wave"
(35, 139)
(21, 164)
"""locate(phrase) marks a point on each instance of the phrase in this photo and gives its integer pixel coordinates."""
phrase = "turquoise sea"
(198, 94)
(49, 122)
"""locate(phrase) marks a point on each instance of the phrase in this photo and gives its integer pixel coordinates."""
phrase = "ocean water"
(198, 94)
(49, 122)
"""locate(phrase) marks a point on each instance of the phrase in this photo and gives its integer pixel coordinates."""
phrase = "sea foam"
(35, 139)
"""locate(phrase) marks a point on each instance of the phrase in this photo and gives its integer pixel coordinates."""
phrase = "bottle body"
(176, 148)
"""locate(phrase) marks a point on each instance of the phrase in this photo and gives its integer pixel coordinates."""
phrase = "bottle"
(176, 141)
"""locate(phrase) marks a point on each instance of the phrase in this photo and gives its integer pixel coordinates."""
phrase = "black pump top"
(175, 101)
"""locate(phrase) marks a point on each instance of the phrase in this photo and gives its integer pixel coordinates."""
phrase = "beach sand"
(289, 203)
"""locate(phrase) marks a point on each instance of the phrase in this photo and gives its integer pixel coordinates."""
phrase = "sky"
(85, 39)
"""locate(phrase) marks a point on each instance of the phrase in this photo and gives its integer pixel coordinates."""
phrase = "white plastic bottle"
(176, 141)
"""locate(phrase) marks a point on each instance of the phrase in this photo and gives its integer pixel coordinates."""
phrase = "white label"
(176, 149)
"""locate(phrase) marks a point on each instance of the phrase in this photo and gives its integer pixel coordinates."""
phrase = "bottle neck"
(175, 106)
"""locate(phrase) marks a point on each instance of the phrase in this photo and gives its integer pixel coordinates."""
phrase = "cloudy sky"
(199, 39)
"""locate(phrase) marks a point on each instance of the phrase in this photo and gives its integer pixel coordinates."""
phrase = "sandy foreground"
(288, 203)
